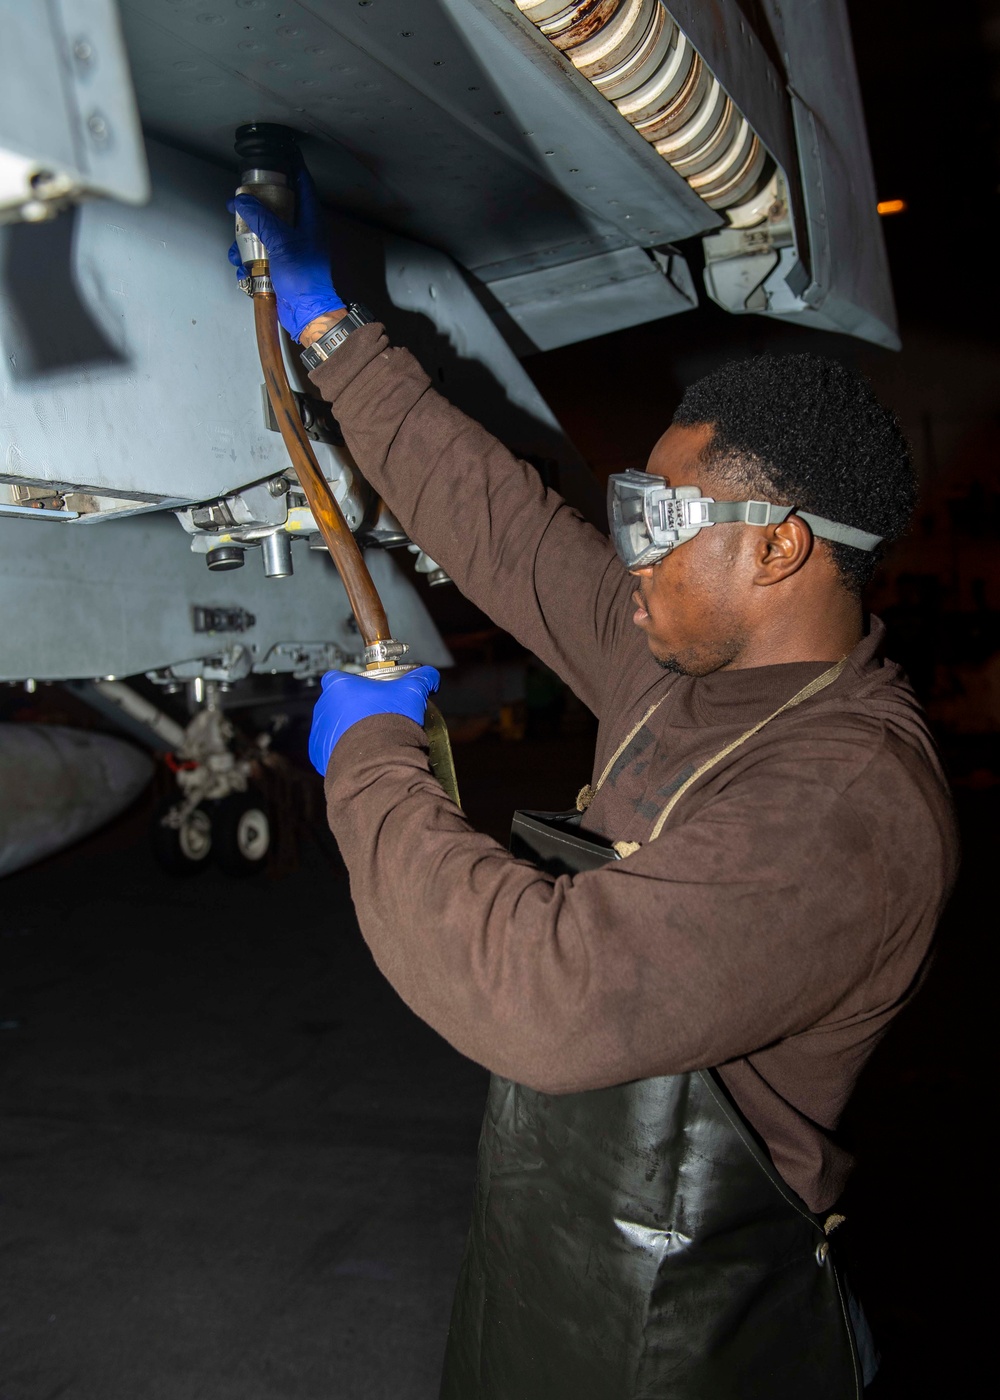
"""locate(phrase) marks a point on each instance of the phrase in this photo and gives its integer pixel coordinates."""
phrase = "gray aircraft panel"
(130, 367)
(427, 120)
(443, 124)
(555, 306)
(68, 119)
(852, 288)
(120, 600)
(811, 118)
(459, 124)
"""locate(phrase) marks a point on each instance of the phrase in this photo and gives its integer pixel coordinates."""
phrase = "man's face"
(693, 604)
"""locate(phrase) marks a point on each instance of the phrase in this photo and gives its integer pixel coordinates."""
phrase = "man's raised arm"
(516, 549)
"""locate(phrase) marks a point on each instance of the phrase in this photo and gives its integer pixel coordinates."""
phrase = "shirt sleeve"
(515, 548)
(721, 937)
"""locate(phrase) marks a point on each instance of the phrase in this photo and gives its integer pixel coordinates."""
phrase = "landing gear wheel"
(181, 850)
(241, 833)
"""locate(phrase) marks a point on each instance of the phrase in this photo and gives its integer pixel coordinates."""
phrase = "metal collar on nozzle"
(269, 157)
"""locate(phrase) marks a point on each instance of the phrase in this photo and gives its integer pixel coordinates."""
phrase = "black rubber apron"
(636, 1243)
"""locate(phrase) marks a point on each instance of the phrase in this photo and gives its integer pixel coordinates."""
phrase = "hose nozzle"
(269, 156)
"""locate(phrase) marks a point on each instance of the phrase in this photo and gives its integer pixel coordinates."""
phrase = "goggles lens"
(648, 519)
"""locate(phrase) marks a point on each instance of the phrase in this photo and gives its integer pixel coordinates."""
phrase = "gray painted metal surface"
(558, 305)
(428, 119)
(452, 123)
(458, 124)
(796, 84)
(811, 119)
(130, 366)
(851, 289)
(68, 119)
(119, 600)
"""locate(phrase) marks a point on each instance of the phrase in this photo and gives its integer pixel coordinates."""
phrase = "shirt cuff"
(369, 749)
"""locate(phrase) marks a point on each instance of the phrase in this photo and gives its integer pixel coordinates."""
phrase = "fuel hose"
(268, 146)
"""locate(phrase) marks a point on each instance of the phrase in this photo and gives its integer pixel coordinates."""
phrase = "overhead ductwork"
(636, 57)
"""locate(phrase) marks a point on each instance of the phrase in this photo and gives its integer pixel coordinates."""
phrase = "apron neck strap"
(587, 793)
(806, 693)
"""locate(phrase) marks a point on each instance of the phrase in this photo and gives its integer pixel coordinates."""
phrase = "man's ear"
(782, 550)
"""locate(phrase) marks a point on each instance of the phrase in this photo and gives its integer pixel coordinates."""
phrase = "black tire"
(242, 833)
(181, 850)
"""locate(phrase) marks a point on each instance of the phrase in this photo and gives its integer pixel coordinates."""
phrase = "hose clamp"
(256, 286)
(384, 653)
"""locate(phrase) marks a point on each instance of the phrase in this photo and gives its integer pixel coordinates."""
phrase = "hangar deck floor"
(237, 1168)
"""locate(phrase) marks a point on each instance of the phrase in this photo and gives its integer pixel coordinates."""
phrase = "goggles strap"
(748, 512)
(840, 534)
(765, 513)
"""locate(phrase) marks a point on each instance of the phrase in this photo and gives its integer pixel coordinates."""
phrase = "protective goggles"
(648, 518)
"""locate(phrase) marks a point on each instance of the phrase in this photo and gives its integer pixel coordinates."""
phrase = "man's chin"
(695, 661)
(669, 660)
(673, 664)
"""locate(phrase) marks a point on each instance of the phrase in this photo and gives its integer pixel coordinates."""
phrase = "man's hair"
(804, 430)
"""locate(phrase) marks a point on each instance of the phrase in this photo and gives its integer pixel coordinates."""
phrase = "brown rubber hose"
(362, 594)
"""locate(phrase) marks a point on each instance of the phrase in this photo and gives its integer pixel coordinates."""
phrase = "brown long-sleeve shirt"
(773, 929)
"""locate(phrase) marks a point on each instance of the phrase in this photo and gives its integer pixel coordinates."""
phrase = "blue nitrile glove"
(346, 698)
(300, 258)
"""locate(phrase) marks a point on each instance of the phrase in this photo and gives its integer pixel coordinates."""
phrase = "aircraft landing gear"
(241, 833)
(216, 811)
(181, 846)
(235, 832)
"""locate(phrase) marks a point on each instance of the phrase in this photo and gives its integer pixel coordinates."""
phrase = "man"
(676, 992)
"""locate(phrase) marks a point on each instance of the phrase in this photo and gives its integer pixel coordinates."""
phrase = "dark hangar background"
(235, 1166)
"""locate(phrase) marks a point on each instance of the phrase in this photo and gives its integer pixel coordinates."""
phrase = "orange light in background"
(891, 206)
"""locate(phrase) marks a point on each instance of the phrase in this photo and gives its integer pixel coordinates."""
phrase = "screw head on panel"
(98, 128)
